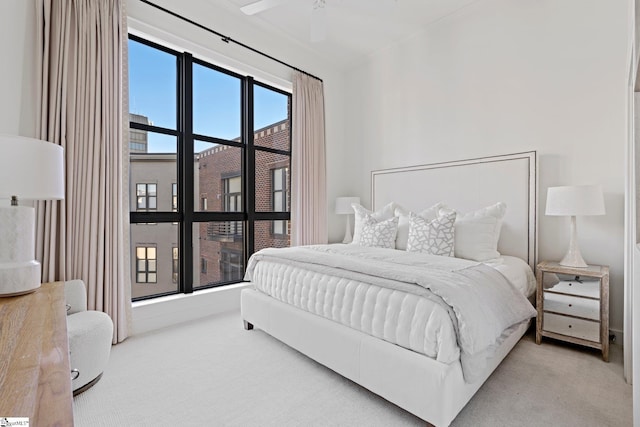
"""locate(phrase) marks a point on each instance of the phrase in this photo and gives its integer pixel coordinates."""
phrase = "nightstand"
(573, 305)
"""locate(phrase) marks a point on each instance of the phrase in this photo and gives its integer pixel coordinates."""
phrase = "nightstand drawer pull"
(578, 328)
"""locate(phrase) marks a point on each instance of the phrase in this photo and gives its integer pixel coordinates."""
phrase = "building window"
(146, 196)
(232, 194)
(232, 202)
(174, 265)
(146, 264)
(203, 204)
(174, 197)
(279, 200)
(203, 266)
(231, 265)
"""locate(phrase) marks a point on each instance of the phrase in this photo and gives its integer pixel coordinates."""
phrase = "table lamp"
(343, 207)
(30, 169)
(573, 201)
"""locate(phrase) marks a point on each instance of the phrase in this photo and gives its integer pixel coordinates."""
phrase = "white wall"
(17, 69)
(504, 76)
(17, 73)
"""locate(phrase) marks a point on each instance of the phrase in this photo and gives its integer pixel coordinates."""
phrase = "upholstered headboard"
(467, 185)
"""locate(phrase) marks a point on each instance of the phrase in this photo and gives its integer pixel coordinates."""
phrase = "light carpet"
(214, 373)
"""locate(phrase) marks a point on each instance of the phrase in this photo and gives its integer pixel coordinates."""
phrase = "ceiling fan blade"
(261, 6)
(318, 21)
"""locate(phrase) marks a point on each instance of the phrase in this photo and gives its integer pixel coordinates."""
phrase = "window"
(174, 265)
(231, 265)
(232, 194)
(147, 197)
(279, 197)
(205, 145)
(174, 197)
(146, 266)
(232, 202)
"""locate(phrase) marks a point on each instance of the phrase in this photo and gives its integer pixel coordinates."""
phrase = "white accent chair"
(90, 334)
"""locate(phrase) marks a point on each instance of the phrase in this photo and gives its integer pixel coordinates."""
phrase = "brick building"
(220, 181)
(218, 246)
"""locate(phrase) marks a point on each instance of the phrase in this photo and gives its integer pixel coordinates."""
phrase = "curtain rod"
(228, 39)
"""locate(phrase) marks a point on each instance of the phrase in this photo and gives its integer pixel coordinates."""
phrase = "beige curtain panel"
(308, 168)
(82, 72)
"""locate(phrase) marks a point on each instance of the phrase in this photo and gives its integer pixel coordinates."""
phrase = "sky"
(216, 99)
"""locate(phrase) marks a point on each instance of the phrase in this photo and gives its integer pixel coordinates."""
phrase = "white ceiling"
(355, 28)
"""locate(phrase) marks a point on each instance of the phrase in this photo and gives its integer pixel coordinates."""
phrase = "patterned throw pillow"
(403, 224)
(361, 215)
(379, 234)
(434, 237)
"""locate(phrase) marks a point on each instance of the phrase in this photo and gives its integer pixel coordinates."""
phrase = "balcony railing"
(228, 231)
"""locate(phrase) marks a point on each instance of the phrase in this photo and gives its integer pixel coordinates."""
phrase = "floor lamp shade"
(30, 169)
(343, 207)
(575, 201)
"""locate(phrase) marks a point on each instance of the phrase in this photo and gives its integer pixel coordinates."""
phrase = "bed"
(398, 344)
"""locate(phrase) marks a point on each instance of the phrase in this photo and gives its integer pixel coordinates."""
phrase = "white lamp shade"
(31, 169)
(575, 200)
(343, 205)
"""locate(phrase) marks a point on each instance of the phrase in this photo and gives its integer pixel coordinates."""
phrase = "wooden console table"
(35, 375)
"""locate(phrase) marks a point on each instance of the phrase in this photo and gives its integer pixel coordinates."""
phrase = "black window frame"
(186, 217)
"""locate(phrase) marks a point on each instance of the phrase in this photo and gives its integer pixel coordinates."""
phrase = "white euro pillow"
(477, 233)
(428, 214)
(362, 214)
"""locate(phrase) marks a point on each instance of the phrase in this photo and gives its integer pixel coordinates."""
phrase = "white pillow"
(386, 212)
(403, 224)
(477, 233)
(380, 234)
(435, 237)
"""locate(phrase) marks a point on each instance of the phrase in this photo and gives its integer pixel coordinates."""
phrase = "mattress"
(414, 321)
(401, 318)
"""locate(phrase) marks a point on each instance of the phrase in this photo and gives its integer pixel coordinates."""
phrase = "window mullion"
(249, 171)
(186, 174)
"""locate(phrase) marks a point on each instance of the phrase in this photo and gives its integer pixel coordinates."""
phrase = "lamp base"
(348, 238)
(573, 258)
(19, 278)
(19, 272)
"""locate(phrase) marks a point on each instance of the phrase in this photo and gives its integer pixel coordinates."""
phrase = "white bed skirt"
(431, 390)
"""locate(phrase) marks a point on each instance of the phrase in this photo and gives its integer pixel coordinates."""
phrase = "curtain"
(308, 168)
(82, 78)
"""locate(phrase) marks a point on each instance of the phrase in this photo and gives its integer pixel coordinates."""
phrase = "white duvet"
(479, 300)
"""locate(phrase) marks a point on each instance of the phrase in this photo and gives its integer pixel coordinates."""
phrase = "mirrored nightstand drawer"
(585, 288)
(572, 327)
(574, 306)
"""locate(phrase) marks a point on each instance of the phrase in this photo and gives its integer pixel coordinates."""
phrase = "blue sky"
(216, 99)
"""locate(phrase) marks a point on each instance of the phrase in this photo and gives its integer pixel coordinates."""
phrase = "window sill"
(162, 312)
